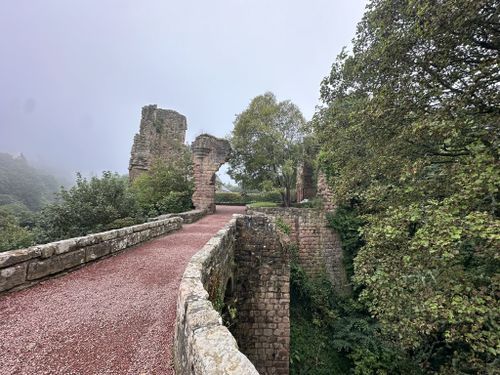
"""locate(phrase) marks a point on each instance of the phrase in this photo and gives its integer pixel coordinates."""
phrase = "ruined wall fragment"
(161, 136)
(209, 153)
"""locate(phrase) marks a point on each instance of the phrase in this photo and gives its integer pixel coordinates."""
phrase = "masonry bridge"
(202, 292)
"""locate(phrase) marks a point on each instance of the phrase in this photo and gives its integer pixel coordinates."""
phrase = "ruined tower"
(162, 133)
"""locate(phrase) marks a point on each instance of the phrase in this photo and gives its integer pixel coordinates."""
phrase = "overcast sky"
(75, 74)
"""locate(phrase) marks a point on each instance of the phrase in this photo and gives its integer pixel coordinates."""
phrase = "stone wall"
(325, 193)
(305, 187)
(319, 248)
(209, 153)
(202, 344)
(187, 217)
(25, 267)
(161, 135)
(262, 291)
(244, 263)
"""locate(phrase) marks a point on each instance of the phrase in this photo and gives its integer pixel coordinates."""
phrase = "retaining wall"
(25, 267)
(243, 264)
(319, 247)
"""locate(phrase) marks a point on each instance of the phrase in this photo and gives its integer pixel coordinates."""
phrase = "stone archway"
(209, 153)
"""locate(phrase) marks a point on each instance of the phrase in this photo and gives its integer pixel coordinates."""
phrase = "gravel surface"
(115, 316)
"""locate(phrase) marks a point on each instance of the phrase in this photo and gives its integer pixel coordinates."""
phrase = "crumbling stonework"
(161, 136)
(209, 153)
(325, 192)
(305, 187)
(319, 247)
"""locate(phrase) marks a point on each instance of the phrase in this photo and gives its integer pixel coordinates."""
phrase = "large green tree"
(266, 140)
(409, 133)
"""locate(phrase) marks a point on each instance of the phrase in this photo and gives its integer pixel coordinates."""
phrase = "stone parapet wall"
(188, 217)
(262, 291)
(24, 267)
(319, 247)
(246, 264)
(202, 344)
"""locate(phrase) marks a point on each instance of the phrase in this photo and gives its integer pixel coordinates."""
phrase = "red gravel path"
(115, 316)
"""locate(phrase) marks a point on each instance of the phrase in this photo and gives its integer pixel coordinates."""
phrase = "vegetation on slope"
(409, 137)
(95, 204)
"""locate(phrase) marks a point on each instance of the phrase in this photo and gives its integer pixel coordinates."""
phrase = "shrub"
(165, 188)
(246, 198)
(12, 235)
(89, 206)
(174, 202)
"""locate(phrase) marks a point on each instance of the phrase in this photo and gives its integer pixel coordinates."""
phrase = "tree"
(266, 140)
(12, 235)
(92, 205)
(409, 136)
(166, 187)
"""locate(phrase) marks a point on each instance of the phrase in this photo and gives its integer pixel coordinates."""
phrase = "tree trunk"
(287, 197)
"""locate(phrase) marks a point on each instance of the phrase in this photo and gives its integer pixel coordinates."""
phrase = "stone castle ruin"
(209, 153)
(162, 133)
(245, 262)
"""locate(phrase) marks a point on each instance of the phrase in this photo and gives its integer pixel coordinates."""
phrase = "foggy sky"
(75, 74)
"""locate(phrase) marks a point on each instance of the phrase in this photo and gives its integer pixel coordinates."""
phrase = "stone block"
(12, 276)
(9, 258)
(97, 251)
(58, 263)
(64, 246)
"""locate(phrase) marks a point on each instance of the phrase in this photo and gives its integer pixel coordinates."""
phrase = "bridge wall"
(25, 267)
(243, 268)
(319, 248)
(262, 292)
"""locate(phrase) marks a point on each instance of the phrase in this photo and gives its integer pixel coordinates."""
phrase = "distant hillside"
(21, 183)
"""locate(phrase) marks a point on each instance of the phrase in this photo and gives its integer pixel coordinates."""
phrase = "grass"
(262, 204)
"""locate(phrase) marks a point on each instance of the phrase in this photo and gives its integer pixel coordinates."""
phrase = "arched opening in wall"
(209, 154)
(225, 187)
(229, 312)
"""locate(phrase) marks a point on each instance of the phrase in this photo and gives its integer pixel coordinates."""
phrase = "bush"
(174, 202)
(89, 206)
(12, 235)
(165, 188)
(246, 198)
(262, 204)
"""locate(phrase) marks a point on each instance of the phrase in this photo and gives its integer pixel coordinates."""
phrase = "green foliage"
(409, 131)
(175, 202)
(335, 335)
(262, 204)
(283, 226)
(12, 235)
(92, 205)
(266, 140)
(348, 224)
(166, 187)
(247, 198)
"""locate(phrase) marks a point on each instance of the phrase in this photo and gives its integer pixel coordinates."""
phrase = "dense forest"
(408, 135)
